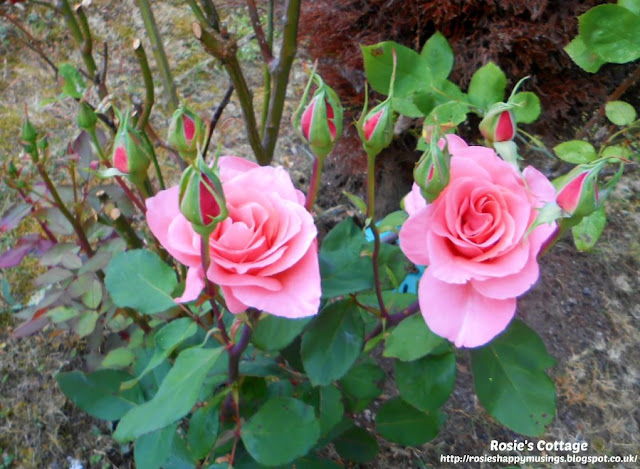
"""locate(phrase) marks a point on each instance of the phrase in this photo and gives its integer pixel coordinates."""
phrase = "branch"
(148, 83)
(216, 117)
(257, 28)
(393, 320)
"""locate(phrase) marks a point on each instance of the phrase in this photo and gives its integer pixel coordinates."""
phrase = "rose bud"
(377, 128)
(131, 151)
(201, 197)
(86, 117)
(186, 133)
(432, 172)
(498, 126)
(578, 193)
(320, 124)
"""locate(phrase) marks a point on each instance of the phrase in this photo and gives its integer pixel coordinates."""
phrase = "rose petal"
(299, 295)
(414, 201)
(460, 313)
(193, 285)
(412, 236)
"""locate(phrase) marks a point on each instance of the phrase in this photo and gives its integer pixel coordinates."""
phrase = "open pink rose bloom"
(264, 255)
(476, 242)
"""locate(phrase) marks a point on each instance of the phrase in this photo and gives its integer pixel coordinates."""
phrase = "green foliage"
(612, 32)
(332, 342)
(576, 151)
(411, 339)
(428, 382)
(510, 381)
(620, 113)
(401, 423)
(487, 86)
(140, 279)
(282, 430)
(275, 333)
(588, 231)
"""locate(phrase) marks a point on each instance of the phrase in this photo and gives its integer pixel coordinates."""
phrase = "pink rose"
(264, 255)
(474, 238)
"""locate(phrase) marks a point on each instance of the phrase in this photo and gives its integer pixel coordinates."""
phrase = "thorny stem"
(210, 290)
(265, 48)
(267, 72)
(617, 93)
(314, 185)
(212, 14)
(159, 52)
(280, 69)
(42, 223)
(148, 83)
(82, 237)
(225, 49)
(371, 213)
(393, 319)
(216, 117)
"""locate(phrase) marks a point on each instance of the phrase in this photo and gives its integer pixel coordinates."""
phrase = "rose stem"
(315, 183)
(394, 319)
(210, 290)
(216, 117)
(371, 212)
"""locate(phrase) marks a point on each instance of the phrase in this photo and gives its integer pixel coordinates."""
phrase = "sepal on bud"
(432, 172)
(320, 122)
(201, 197)
(186, 133)
(131, 151)
(87, 117)
(578, 193)
(499, 124)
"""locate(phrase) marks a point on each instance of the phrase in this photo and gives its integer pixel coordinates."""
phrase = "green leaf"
(412, 72)
(333, 342)
(177, 394)
(527, 108)
(401, 423)
(331, 408)
(451, 112)
(282, 430)
(612, 32)
(487, 86)
(411, 339)
(120, 357)
(180, 457)
(588, 231)
(576, 151)
(415, 104)
(98, 393)
(631, 5)
(54, 255)
(393, 221)
(343, 268)
(93, 296)
(203, 430)
(619, 112)
(139, 279)
(584, 58)
(275, 333)
(357, 445)
(87, 323)
(362, 380)
(428, 382)
(616, 151)
(439, 56)
(510, 381)
(62, 314)
(152, 449)
(356, 201)
(74, 85)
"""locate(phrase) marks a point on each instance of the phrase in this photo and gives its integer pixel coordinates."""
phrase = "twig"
(393, 320)
(371, 213)
(216, 117)
(159, 52)
(210, 290)
(265, 48)
(267, 72)
(148, 83)
(32, 43)
(280, 75)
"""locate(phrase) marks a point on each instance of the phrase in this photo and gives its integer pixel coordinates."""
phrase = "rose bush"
(264, 255)
(475, 238)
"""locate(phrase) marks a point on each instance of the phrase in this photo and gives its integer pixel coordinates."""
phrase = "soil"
(586, 306)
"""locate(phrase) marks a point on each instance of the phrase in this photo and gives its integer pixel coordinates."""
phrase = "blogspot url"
(536, 459)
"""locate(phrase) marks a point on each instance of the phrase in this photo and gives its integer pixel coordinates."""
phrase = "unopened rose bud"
(320, 124)
(201, 197)
(94, 165)
(186, 133)
(579, 195)
(498, 126)
(87, 117)
(377, 128)
(432, 172)
(131, 152)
